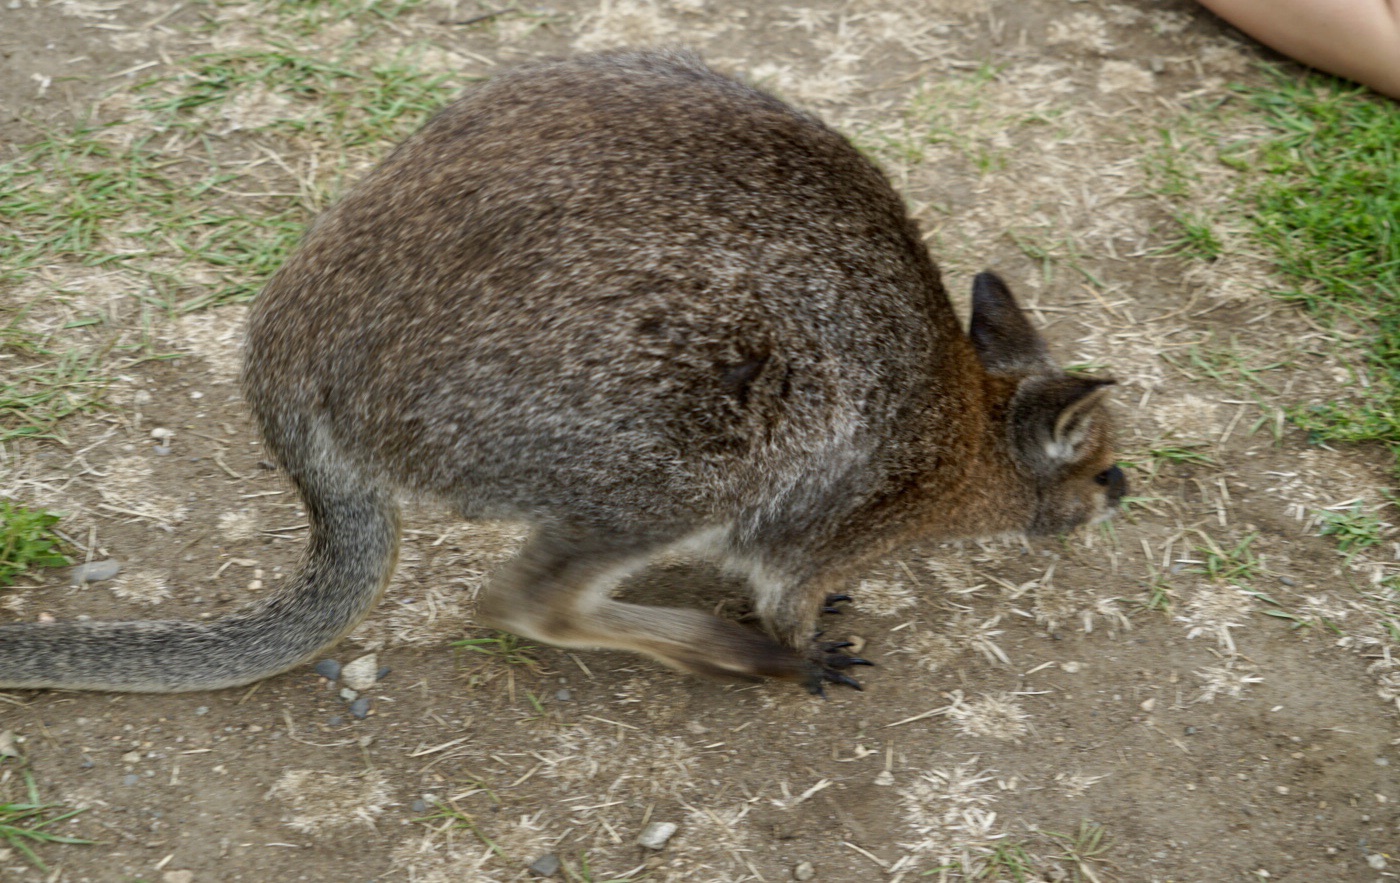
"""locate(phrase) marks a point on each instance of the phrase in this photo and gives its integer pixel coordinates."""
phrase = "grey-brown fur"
(637, 305)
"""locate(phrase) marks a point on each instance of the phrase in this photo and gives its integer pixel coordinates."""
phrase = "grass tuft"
(27, 541)
(23, 824)
(1327, 205)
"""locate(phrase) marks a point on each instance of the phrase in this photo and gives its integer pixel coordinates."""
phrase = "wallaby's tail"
(353, 549)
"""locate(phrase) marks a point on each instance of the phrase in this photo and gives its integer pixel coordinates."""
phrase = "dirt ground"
(1022, 691)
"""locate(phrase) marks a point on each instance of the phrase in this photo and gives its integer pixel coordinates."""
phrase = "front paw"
(829, 664)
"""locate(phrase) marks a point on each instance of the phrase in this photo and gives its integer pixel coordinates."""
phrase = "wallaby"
(639, 306)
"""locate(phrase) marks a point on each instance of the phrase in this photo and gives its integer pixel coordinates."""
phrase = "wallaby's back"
(537, 288)
(636, 304)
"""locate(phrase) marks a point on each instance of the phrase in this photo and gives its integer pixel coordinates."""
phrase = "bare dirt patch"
(1206, 680)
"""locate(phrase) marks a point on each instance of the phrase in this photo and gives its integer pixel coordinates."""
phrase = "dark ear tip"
(988, 281)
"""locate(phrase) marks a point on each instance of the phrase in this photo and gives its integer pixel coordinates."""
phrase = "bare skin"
(1356, 39)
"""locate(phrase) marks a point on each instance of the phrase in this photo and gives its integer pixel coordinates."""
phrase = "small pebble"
(563, 695)
(359, 675)
(419, 805)
(348, 694)
(384, 672)
(656, 835)
(359, 709)
(1376, 861)
(94, 571)
(130, 779)
(177, 877)
(203, 709)
(1288, 581)
(328, 669)
(160, 432)
(804, 871)
(545, 865)
(161, 451)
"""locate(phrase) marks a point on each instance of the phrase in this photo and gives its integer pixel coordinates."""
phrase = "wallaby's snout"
(1115, 485)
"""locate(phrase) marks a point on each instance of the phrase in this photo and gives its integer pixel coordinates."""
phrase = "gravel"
(545, 865)
(94, 571)
(656, 834)
(360, 674)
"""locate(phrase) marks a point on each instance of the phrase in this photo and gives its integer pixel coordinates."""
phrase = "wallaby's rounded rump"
(637, 305)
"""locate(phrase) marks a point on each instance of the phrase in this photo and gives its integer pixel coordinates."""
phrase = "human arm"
(1356, 39)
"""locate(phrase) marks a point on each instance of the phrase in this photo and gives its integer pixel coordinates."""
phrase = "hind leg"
(788, 605)
(557, 592)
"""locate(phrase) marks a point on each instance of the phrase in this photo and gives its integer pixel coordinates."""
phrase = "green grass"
(502, 647)
(1354, 529)
(1008, 861)
(1182, 454)
(938, 114)
(1082, 850)
(24, 824)
(189, 210)
(1198, 238)
(27, 541)
(1236, 563)
(1325, 194)
(172, 195)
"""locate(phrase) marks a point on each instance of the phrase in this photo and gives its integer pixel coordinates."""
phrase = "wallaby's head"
(1055, 428)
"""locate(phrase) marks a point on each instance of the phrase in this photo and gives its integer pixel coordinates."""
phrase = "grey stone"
(656, 835)
(804, 871)
(545, 865)
(94, 571)
(360, 674)
(359, 709)
(328, 669)
(563, 695)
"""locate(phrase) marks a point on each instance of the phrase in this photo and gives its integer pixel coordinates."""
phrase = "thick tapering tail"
(351, 556)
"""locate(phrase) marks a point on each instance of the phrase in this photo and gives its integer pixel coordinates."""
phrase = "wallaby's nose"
(1116, 482)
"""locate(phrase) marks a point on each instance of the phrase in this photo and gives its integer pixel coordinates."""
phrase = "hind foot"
(829, 665)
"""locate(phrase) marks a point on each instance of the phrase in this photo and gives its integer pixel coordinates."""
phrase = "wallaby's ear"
(1003, 337)
(1053, 416)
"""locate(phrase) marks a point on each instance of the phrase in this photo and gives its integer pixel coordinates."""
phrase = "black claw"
(829, 665)
(837, 677)
(840, 660)
(829, 604)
